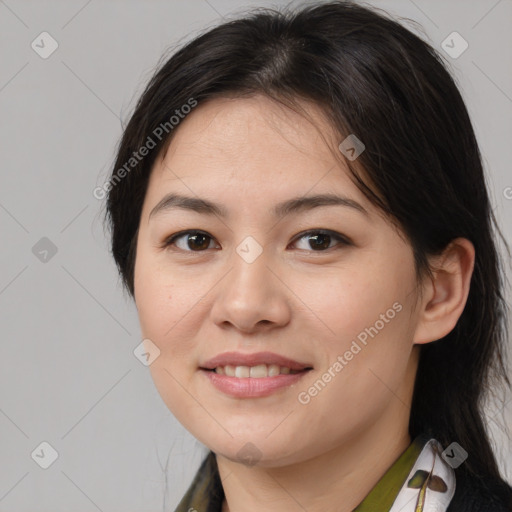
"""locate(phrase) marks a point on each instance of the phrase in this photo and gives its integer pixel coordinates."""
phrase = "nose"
(252, 297)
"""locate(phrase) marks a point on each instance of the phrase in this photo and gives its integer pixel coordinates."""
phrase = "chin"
(258, 450)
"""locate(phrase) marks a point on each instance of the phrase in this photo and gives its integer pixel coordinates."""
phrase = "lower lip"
(252, 387)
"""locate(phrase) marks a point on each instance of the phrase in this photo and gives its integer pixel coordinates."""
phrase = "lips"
(258, 358)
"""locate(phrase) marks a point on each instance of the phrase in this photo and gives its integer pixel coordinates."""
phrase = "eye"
(319, 240)
(198, 241)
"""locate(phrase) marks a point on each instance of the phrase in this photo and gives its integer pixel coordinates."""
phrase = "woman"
(299, 211)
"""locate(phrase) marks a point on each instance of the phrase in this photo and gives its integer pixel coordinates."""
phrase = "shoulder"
(480, 495)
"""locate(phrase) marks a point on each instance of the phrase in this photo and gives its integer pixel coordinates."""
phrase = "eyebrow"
(280, 210)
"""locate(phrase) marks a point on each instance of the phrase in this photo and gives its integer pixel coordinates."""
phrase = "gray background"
(68, 375)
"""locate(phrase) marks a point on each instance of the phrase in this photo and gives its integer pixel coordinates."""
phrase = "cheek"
(365, 321)
(360, 380)
(169, 308)
(153, 303)
(348, 301)
(157, 300)
(162, 310)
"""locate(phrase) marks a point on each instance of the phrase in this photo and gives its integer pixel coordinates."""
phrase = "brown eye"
(199, 241)
(195, 241)
(320, 240)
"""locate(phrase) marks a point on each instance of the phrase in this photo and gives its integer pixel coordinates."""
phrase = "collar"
(420, 480)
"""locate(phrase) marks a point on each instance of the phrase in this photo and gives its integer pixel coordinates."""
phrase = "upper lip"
(240, 359)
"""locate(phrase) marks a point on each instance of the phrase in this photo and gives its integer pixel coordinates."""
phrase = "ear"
(446, 293)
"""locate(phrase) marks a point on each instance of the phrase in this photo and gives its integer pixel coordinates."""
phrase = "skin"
(249, 154)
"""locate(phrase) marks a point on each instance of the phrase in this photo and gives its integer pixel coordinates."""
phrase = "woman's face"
(265, 278)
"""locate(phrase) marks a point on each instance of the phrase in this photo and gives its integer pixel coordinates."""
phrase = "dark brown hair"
(374, 78)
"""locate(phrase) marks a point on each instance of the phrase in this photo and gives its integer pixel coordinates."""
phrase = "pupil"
(321, 245)
(195, 238)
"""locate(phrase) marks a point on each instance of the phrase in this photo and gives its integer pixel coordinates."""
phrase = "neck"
(337, 480)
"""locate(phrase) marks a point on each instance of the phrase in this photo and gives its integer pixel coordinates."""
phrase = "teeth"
(273, 370)
(258, 371)
(242, 371)
(255, 372)
(228, 370)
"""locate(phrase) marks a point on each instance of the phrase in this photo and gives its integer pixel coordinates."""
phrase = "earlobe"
(446, 294)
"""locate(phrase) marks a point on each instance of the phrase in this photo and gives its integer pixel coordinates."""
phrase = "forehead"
(254, 148)
(234, 119)
(235, 128)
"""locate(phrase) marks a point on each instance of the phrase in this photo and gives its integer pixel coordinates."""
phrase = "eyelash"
(342, 240)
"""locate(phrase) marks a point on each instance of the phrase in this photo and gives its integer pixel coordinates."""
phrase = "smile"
(249, 386)
(255, 372)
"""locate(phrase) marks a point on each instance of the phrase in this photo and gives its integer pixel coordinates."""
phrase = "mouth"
(253, 375)
(256, 386)
(256, 365)
(259, 371)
